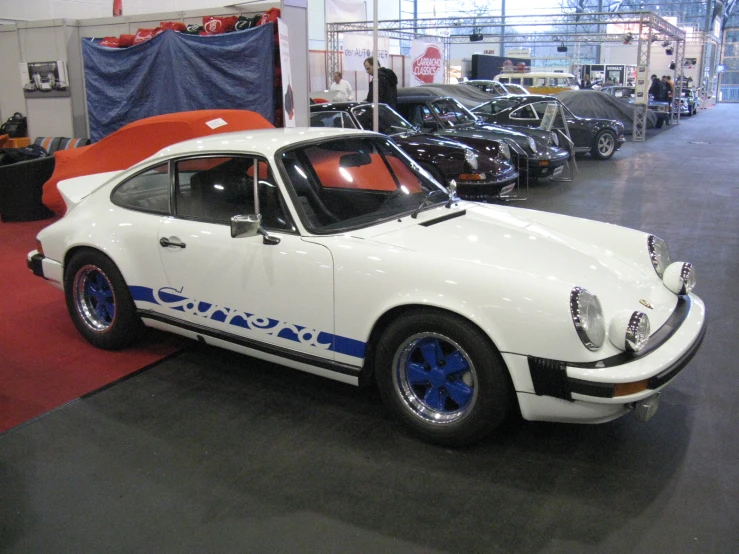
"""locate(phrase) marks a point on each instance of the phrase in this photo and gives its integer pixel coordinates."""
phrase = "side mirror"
(245, 225)
(250, 226)
(433, 125)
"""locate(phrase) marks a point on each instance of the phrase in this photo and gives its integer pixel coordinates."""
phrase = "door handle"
(164, 241)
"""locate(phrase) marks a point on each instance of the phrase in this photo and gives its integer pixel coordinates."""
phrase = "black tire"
(99, 302)
(659, 124)
(604, 145)
(469, 392)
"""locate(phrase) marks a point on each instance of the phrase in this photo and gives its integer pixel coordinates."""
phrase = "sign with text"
(358, 47)
(288, 104)
(550, 112)
(427, 62)
(518, 52)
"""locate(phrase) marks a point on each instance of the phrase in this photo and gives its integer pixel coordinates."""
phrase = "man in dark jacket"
(656, 89)
(387, 86)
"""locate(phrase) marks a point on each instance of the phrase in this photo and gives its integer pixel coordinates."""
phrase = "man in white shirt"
(343, 89)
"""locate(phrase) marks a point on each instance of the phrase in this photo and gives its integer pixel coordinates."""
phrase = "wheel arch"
(368, 369)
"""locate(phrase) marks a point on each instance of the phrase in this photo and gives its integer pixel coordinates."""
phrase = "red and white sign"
(427, 65)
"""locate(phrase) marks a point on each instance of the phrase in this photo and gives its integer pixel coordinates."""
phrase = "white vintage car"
(332, 252)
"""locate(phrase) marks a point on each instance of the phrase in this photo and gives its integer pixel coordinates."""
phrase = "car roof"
(337, 106)
(264, 141)
(521, 98)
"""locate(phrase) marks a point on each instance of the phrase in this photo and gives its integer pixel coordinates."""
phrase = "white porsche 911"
(332, 252)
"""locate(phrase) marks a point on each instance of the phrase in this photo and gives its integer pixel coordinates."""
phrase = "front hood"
(518, 252)
(418, 139)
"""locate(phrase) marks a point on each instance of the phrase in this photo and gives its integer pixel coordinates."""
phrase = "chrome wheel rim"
(435, 378)
(94, 298)
(605, 144)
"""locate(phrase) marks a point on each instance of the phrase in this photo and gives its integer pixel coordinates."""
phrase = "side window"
(271, 203)
(524, 112)
(540, 108)
(528, 82)
(321, 119)
(148, 191)
(332, 119)
(214, 188)
(426, 114)
(484, 108)
(217, 188)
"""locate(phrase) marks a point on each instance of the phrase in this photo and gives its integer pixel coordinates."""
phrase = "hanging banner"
(427, 62)
(288, 105)
(345, 11)
(358, 47)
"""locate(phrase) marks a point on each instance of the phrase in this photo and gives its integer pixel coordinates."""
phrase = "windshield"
(452, 113)
(389, 121)
(356, 182)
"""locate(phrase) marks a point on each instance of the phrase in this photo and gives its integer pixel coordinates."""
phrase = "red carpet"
(44, 362)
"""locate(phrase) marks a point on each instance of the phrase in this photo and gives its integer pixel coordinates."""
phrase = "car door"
(273, 293)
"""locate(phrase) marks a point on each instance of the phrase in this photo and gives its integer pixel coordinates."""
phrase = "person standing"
(586, 83)
(655, 89)
(342, 88)
(669, 89)
(387, 86)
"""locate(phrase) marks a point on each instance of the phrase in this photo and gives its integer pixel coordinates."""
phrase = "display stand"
(570, 168)
(521, 165)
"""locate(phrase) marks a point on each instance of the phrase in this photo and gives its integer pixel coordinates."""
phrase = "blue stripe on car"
(170, 298)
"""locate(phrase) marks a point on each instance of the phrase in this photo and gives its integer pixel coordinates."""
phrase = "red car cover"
(138, 140)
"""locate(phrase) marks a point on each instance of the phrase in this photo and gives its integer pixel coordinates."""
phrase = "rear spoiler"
(75, 189)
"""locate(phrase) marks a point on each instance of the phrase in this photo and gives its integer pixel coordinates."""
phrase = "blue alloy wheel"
(94, 298)
(435, 378)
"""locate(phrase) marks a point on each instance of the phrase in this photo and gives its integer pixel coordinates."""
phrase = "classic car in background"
(600, 137)
(480, 174)
(539, 82)
(659, 108)
(496, 88)
(327, 250)
(466, 95)
(689, 102)
(535, 152)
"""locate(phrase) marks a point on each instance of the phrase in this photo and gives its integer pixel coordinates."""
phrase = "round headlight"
(658, 253)
(680, 277)
(637, 332)
(532, 144)
(471, 159)
(587, 315)
(629, 331)
(505, 151)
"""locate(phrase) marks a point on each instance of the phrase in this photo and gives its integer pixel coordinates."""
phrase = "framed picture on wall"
(45, 79)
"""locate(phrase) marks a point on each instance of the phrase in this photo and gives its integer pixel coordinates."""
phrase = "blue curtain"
(175, 72)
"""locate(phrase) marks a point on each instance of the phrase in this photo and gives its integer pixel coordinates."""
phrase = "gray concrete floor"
(214, 452)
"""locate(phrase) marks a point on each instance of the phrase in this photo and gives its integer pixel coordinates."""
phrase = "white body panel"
(509, 271)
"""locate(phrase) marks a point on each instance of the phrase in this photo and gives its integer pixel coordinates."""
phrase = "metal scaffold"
(530, 29)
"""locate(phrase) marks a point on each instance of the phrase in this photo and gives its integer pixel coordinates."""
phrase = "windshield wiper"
(426, 199)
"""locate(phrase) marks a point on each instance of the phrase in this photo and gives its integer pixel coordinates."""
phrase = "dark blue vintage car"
(659, 108)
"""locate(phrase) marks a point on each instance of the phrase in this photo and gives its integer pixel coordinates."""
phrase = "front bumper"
(488, 190)
(543, 166)
(600, 391)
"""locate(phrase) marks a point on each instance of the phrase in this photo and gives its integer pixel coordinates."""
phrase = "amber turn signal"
(624, 389)
(471, 177)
